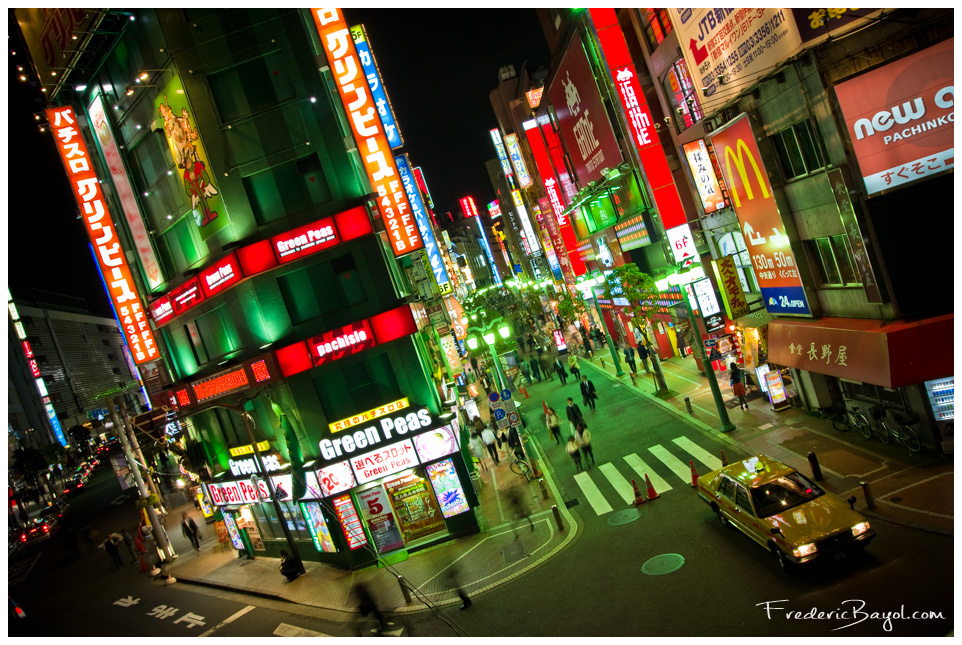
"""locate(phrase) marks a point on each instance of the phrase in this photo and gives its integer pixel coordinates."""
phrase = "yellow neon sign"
(263, 446)
(364, 417)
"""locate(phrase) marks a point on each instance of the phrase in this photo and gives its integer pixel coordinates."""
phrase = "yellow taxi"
(784, 511)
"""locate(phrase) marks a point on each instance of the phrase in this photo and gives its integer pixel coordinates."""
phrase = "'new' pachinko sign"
(100, 228)
(761, 224)
(372, 144)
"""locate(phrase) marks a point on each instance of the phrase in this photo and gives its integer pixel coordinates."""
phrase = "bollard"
(557, 517)
(602, 361)
(867, 491)
(404, 589)
(544, 490)
(633, 383)
(813, 462)
(688, 405)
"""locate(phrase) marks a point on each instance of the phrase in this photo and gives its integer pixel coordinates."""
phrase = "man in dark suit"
(574, 413)
(588, 392)
(560, 369)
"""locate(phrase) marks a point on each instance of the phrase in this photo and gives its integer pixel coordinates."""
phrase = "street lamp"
(487, 333)
(587, 286)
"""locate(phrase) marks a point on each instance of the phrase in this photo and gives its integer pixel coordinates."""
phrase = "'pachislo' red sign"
(341, 342)
(224, 273)
(305, 240)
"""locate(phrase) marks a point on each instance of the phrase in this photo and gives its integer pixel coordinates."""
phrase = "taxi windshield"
(784, 493)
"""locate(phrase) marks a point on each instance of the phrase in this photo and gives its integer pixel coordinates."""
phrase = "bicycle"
(520, 467)
(902, 432)
(846, 419)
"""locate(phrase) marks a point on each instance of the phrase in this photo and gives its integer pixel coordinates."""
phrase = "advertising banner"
(705, 180)
(350, 522)
(125, 193)
(209, 211)
(384, 461)
(740, 45)
(380, 520)
(376, 85)
(517, 160)
(581, 116)
(815, 23)
(901, 118)
(233, 532)
(424, 225)
(447, 488)
(336, 478)
(122, 470)
(759, 219)
(417, 510)
(85, 185)
(452, 359)
(341, 342)
(436, 443)
(372, 144)
(317, 525)
(732, 291)
(502, 153)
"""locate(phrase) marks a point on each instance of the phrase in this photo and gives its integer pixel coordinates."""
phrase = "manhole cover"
(662, 564)
(623, 517)
(513, 552)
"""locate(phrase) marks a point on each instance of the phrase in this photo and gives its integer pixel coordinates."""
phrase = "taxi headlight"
(860, 528)
(803, 550)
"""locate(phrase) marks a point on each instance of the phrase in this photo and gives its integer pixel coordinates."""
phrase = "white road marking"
(620, 484)
(296, 632)
(592, 494)
(699, 453)
(674, 464)
(227, 620)
(640, 467)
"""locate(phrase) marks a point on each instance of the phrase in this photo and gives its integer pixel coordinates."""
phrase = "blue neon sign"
(391, 129)
(424, 226)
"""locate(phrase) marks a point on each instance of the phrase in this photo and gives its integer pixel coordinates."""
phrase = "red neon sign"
(186, 296)
(221, 275)
(161, 310)
(27, 351)
(341, 342)
(468, 207)
(305, 240)
(183, 398)
(220, 384)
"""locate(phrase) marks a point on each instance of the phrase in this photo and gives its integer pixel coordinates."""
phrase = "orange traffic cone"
(651, 489)
(724, 461)
(639, 498)
(545, 406)
(524, 391)
(694, 474)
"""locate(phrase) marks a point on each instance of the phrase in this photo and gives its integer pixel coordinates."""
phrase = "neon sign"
(220, 384)
(221, 275)
(369, 415)
(342, 342)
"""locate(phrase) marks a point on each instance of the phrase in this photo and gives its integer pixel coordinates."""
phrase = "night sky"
(438, 67)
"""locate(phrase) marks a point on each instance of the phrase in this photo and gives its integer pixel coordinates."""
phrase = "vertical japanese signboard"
(424, 226)
(581, 116)
(372, 144)
(517, 160)
(731, 286)
(121, 287)
(759, 219)
(650, 152)
(209, 212)
(502, 153)
(699, 162)
(378, 91)
(740, 45)
(125, 193)
(901, 118)
(487, 250)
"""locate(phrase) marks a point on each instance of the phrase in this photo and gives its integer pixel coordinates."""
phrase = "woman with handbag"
(737, 386)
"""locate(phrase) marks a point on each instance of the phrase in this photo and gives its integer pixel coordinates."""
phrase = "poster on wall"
(317, 526)
(417, 511)
(380, 520)
(447, 488)
(335, 478)
(350, 523)
(436, 443)
(233, 532)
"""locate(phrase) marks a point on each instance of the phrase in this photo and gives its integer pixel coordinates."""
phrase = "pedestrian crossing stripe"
(640, 467)
(619, 483)
(674, 464)
(598, 502)
(699, 453)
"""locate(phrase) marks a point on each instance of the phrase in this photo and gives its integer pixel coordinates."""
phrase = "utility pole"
(726, 424)
(160, 533)
(135, 448)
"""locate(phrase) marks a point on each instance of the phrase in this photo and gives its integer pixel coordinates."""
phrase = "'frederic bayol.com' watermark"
(851, 613)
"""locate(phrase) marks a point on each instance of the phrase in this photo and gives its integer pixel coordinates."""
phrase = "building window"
(287, 189)
(682, 97)
(361, 385)
(832, 261)
(733, 244)
(798, 150)
(181, 245)
(322, 288)
(251, 87)
(656, 25)
(212, 335)
(116, 371)
(111, 357)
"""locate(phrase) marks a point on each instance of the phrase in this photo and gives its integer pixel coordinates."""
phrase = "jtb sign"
(757, 212)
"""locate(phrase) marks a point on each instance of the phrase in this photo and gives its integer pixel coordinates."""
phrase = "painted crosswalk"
(609, 486)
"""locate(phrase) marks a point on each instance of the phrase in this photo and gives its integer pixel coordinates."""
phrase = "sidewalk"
(912, 490)
(505, 548)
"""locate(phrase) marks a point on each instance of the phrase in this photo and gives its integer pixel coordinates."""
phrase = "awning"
(890, 354)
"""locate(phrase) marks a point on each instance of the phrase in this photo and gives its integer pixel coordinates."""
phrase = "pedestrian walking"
(129, 542)
(526, 371)
(583, 439)
(476, 446)
(554, 425)
(490, 442)
(546, 367)
(110, 546)
(485, 382)
(737, 386)
(514, 442)
(474, 364)
(588, 392)
(630, 357)
(518, 506)
(456, 580)
(530, 342)
(289, 566)
(643, 355)
(573, 366)
(559, 367)
(535, 368)
(574, 451)
(367, 605)
(191, 532)
(521, 343)
(574, 415)
(478, 424)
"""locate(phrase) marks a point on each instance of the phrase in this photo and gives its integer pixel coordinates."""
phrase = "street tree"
(642, 295)
(570, 308)
(31, 462)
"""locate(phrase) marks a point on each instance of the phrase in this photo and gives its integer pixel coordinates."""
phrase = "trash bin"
(476, 482)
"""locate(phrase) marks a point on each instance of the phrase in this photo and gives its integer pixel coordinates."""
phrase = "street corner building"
(243, 201)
